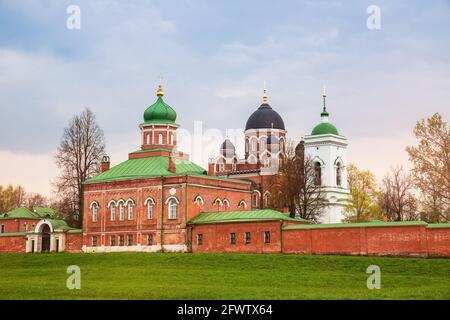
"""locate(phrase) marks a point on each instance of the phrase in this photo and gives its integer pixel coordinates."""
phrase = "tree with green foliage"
(363, 204)
(431, 167)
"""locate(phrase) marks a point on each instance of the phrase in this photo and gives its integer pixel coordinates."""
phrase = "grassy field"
(220, 276)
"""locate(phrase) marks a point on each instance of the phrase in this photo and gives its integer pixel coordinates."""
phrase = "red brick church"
(158, 200)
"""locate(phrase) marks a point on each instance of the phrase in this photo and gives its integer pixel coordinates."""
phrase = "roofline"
(217, 178)
(358, 225)
(238, 220)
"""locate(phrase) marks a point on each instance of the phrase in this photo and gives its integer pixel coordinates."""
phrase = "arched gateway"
(49, 235)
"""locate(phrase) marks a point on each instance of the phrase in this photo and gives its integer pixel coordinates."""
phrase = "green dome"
(324, 128)
(160, 112)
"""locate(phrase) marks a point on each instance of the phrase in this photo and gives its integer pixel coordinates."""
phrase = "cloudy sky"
(214, 56)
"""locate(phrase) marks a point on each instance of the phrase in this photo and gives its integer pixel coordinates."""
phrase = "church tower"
(327, 149)
(159, 128)
(265, 136)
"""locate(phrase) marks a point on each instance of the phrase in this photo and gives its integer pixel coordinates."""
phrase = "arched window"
(148, 138)
(113, 211)
(173, 209)
(130, 211)
(221, 167)
(226, 202)
(254, 200)
(338, 174)
(199, 200)
(262, 144)
(121, 211)
(217, 202)
(94, 212)
(242, 205)
(267, 162)
(150, 204)
(254, 145)
(318, 174)
(234, 165)
(266, 199)
(160, 138)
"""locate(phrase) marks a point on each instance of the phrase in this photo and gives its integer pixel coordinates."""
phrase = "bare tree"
(431, 166)
(35, 199)
(78, 157)
(398, 201)
(297, 185)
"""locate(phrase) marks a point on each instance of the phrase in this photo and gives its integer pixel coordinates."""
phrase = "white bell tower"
(328, 150)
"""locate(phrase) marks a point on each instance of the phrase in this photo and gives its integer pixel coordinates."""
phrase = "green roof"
(12, 234)
(357, 224)
(242, 216)
(20, 212)
(59, 224)
(324, 128)
(146, 168)
(438, 225)
(44, 212)
(160, 112)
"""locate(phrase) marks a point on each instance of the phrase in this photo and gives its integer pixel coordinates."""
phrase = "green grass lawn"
(220, 276)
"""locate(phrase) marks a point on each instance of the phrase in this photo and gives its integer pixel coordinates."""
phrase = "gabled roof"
(20, 212)
(44, 212)
(242, 216)
(152, 167)
(59, 224)
(145, 168)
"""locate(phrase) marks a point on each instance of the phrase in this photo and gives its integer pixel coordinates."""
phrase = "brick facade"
(217, 237)
(12, 243)
(384, 241)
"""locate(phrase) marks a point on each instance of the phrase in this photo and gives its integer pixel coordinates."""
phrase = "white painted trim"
(199, 197)
(94, 202)
(257, 191)
(111, 202)
(152, 201)
(226, 202)
(242, 202)
(170, 198)
(41, 223)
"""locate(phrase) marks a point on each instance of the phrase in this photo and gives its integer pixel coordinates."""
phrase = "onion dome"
(160, 112)
(325, 127)
(265, 117)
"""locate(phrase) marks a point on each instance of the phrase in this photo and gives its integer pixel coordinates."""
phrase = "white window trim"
(172, 208)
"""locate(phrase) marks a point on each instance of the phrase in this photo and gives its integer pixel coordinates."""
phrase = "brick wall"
(73, 242)
(17, 224)
(12, 243)
(387, 241)
(216, 237)
(438, 242)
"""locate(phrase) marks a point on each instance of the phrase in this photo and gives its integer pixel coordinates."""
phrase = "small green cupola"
(160, 112)
(325, 127)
